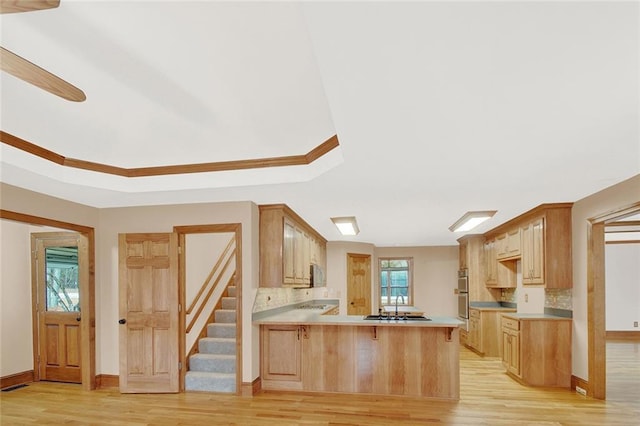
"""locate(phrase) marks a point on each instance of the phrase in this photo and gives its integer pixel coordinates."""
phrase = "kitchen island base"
(369, 359)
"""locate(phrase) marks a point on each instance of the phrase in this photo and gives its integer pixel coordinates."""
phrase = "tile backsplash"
(271, 298)
(558, 298)
(553, 298)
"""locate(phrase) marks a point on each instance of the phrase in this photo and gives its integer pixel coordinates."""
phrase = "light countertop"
(493, 308)
(517, 316)
(304, 316)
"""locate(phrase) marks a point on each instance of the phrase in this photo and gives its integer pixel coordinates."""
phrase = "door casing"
(87, 287)
(39, 243)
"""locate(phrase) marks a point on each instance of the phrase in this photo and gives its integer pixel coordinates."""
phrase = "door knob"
(122, 321)
(78, 318)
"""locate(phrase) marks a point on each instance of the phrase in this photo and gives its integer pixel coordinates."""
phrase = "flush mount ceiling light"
(470, 220)
(346, 225)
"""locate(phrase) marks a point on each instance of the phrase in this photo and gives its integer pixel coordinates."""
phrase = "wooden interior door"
(56, 265)
(149, 322)
(358, 284)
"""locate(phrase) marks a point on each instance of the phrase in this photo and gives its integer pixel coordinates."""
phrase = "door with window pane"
(395, 282)
(56, 269)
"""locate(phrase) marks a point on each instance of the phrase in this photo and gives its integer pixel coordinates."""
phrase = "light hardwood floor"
(488, 397)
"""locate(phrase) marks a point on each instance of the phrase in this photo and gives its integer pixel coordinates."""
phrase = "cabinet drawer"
(474, 313)
(510, 323)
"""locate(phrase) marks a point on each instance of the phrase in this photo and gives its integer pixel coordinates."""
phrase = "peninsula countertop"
(303, 316)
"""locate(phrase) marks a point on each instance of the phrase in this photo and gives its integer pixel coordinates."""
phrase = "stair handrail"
(209, 293)
(208, 279)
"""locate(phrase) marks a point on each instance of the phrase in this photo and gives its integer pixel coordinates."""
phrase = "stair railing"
(207, 289)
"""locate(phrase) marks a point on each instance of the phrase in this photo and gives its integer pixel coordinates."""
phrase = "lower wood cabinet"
(282, 355)
(537, 351)
(511, 346)
(484, 335)
(386, 360)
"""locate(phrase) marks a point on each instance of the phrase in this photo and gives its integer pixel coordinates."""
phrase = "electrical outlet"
(635, 324)
(526, 298)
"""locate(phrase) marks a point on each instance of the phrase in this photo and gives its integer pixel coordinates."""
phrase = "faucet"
(397, 304)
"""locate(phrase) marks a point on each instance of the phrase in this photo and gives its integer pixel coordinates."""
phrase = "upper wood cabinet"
(463, 254)
(508, 244)
(491, 263)
(533, 252)
(472, 257)
(544, 240)
(288, 247)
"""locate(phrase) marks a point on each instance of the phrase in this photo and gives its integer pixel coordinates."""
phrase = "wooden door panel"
(149, 307)
(58, 341)
(358, 284)
(60, 347)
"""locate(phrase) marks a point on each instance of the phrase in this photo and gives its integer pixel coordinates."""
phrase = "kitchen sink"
(400, 318)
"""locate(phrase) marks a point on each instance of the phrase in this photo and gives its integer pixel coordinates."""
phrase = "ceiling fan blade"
(31, 73)
(15, 6)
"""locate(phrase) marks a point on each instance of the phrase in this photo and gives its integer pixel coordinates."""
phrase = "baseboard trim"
(582, 383)
(107, 381)
(16, 379)
(250, 389)
(633, 336)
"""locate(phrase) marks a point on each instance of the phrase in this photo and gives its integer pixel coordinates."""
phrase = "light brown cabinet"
(472, 255)
(508, 244)
(511, 346)
(463, 254)
(537, 351)
(484, 335)
(533, 252)
(288, 247)
(491, 263)
(282, 355)
(544, 235)
(362, 359)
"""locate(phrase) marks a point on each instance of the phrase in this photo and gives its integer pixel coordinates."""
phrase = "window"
(395, 281)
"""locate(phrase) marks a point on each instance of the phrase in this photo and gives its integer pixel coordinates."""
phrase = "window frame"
(409, 259)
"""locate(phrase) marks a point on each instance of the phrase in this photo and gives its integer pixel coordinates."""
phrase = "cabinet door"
(506, 349)
(281, 353)
(301, 257)
(515, 353)
(288, 253)
(501, 246)
(473, 337)
(512, 248)
(533, 252)
(306, 258)
(491, 264)
(463, 255)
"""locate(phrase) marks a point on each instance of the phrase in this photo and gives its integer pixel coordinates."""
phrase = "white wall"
(622, 277)
(16, 343)
(617, 196)
(435, 276)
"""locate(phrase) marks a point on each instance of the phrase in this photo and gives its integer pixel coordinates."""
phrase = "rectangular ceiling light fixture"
(470, 220)
(346, 225)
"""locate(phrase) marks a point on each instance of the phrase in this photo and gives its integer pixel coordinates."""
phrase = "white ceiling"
(439, 107)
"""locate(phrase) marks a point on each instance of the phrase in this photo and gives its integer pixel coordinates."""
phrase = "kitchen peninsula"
(308, 351)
